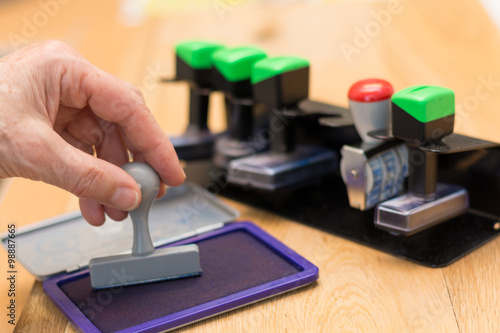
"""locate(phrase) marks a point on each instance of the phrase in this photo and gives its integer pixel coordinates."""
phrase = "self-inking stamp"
(389, 189)
(231, 74)
(373, 170)
(369, 103)
(422, 114)
(282, 83)
(194, 65)
(145, 264)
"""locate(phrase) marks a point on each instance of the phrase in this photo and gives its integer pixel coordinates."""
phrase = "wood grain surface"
(450, 43)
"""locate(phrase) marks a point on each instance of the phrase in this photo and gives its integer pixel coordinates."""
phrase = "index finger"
(120, 103)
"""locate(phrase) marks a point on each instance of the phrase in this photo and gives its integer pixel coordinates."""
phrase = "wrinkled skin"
(67, 123)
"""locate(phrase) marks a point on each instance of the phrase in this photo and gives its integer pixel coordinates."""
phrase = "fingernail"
(125, 198)
(184, 172)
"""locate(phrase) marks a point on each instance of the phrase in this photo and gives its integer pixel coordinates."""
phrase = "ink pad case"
(241, 264)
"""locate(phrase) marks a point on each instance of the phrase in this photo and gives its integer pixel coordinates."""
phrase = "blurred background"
(452, 43)
(344, 40)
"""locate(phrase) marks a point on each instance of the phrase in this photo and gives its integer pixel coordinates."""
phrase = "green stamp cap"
(426, 103)
(197, 54)
(236, 64)
(270, 67)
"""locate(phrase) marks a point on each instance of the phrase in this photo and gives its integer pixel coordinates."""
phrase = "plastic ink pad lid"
(67, 242)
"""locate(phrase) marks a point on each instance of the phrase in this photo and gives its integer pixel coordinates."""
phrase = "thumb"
(87, 176)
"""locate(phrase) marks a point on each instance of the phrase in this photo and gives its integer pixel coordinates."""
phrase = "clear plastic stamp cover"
(67, 242)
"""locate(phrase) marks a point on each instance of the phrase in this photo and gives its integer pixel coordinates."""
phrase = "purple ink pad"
(241, 264)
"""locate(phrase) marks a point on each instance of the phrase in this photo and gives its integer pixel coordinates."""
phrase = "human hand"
(57, 111)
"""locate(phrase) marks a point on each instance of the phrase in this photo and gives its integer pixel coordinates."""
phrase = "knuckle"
(57, 54)
(56, 47)
(137, 91)
(137, 96)
(106, 127)
(85, 184)
(139, 101)
(134, 89)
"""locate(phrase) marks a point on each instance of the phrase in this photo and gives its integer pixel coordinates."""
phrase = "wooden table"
(450, 43)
